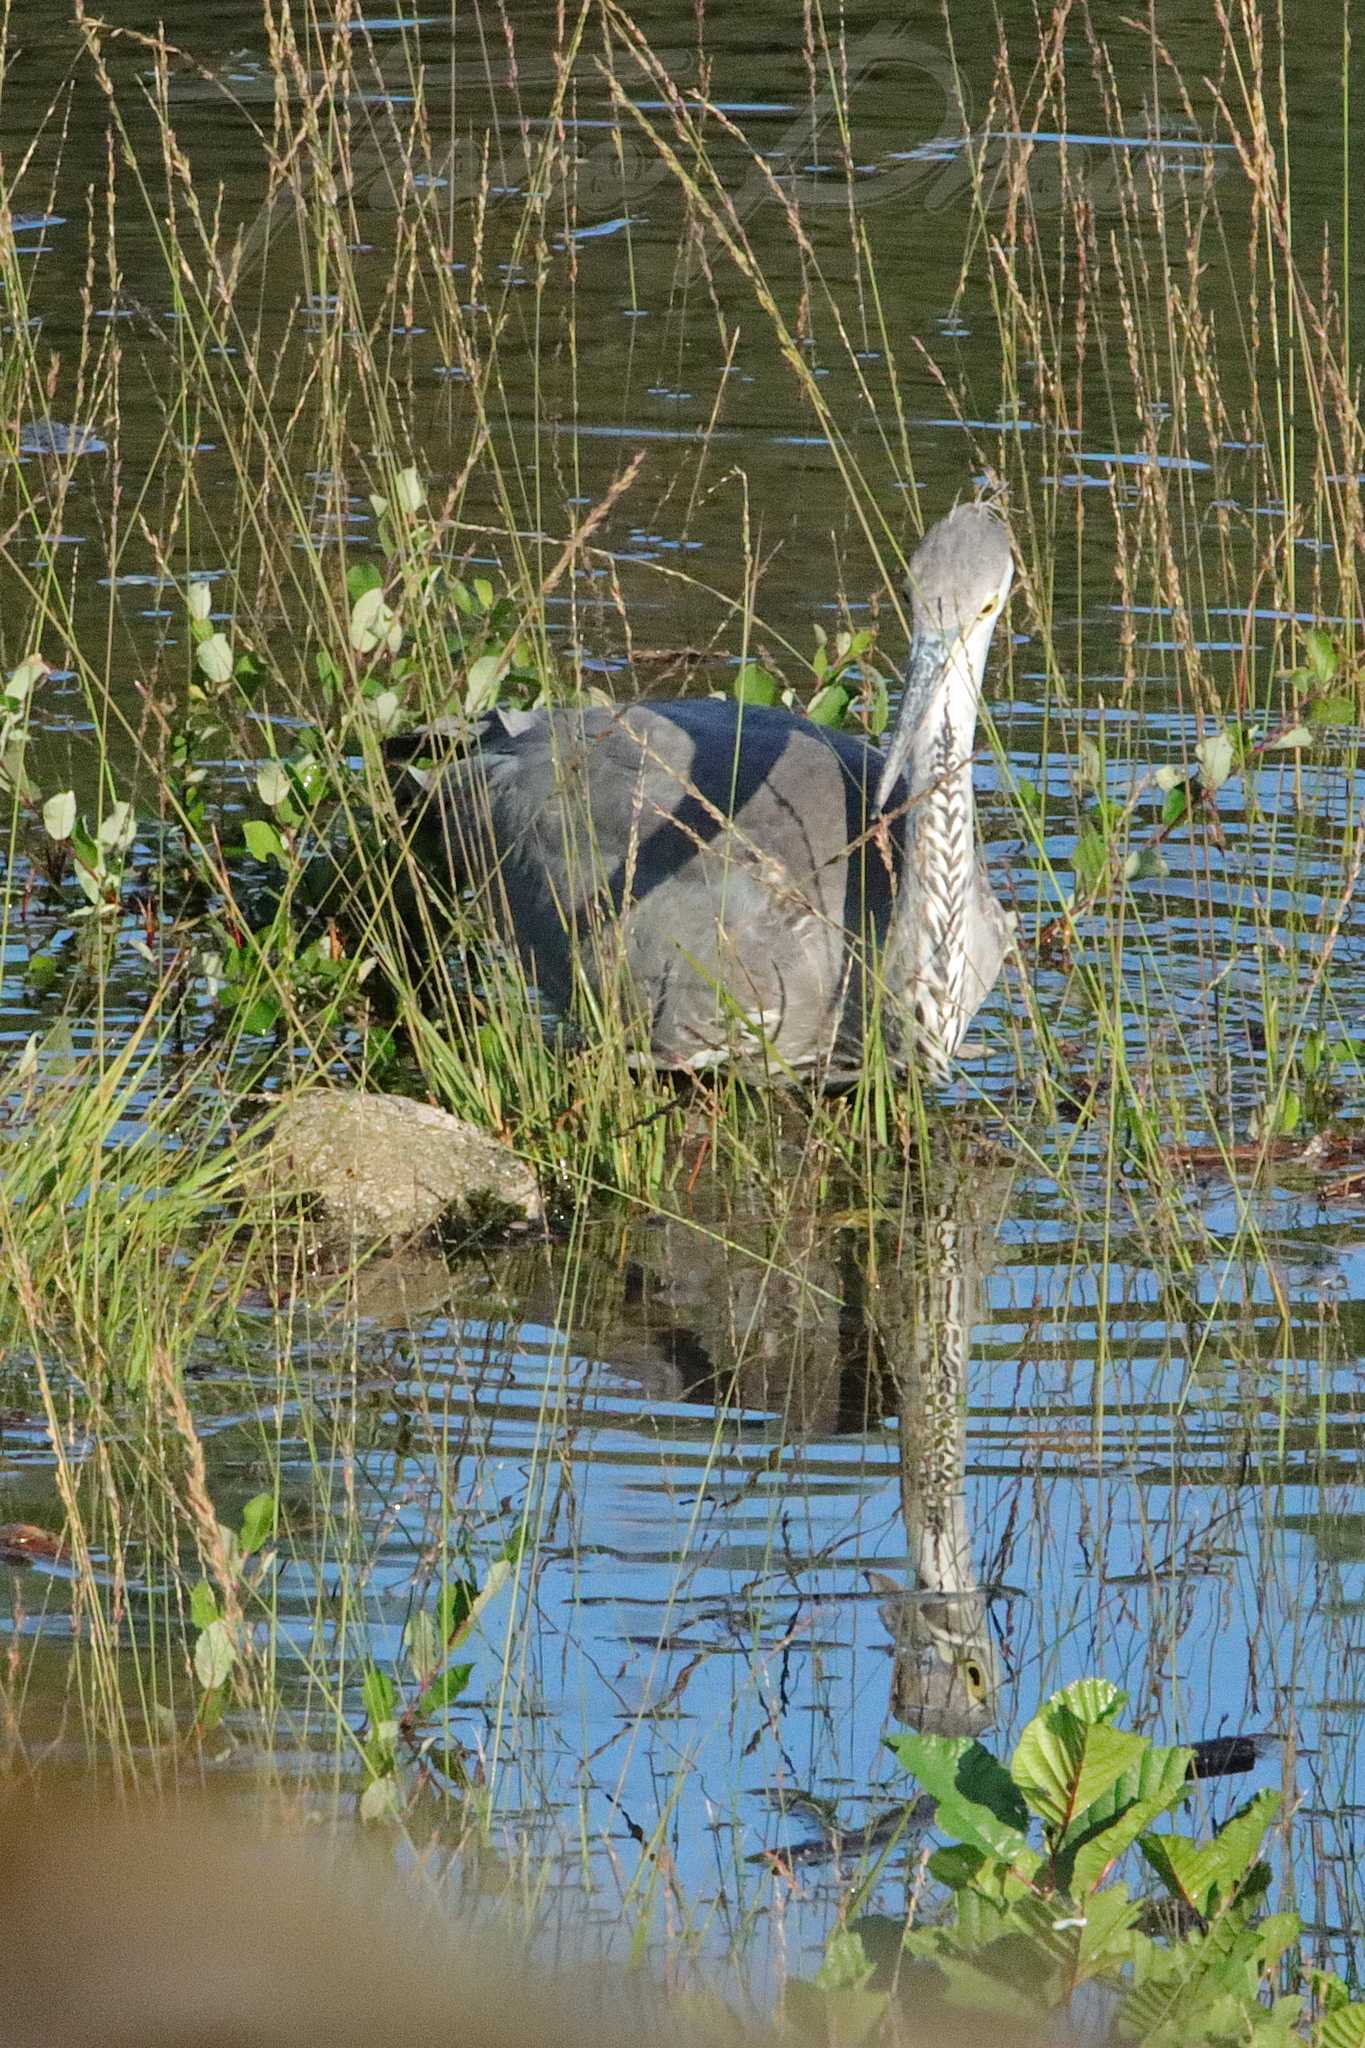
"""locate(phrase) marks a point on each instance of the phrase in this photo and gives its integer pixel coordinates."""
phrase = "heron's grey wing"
(709, 841)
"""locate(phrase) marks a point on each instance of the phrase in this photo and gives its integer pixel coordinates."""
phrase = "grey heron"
(758, 886)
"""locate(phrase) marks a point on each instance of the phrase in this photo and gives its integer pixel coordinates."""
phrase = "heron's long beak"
(930, 667)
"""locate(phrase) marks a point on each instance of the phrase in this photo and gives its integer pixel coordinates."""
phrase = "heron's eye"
(976, 1679)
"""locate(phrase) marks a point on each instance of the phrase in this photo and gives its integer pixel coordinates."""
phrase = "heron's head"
(945, 1688)
(958, 580)
(945, 1676)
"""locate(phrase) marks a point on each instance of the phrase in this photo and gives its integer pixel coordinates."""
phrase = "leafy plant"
(217, 1612)
(407, 1720)
(1034, 1909)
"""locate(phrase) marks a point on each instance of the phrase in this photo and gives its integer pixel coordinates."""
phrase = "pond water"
(728, 1428)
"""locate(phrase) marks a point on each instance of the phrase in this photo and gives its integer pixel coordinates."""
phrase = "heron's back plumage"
(720, 857)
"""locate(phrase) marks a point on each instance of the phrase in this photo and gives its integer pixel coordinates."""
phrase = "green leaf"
(1337, 709)
(272, 783)
(830, 705)
(755, 684)
(1177, 804)
(1322, 654)
(1106, 1829)
(117, 829)
(204, 1609)
(1187, 1868)
(422, 1641)
(1342, 2027)
(23, 680)
(977, 1800)
(1090, 858)
(1297, 736)
(1237, 1843)
(409, 491)
(214, 658)
(362, 577)
(215, 1653)
(263, 842)
(59, 814)
(258, 1522)
(379, 1695)
(445, 1690)
(260, 1016)
(1091, 1700)
(846, 1965)
(1106, 1940)
(957, 1866)
(1063, 1764)
(1216, 757)
(373, 622)
(482, 683)
(380, 1800)
(1088, 772)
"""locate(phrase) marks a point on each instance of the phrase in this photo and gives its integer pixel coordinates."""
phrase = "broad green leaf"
(214, 658)
(214, 1655)
(117, 829)
(977, 1800)
(481, 684)
(258, 1523)
(260, 1016)
(379, 1694)
(957, 1866)
(846, 1965)
(1322, 654)
(1297, 736)
(422, 1641)
(1090, 1699)
(59, 814)
(1216, 757)
(1106, 1829)
(1063, 1764)
(199, 600)
(272, 783)
(1088, 771)
(380, 1800)
(362, 576)
(372, 621)
(1106, 1939)
(445, 1690)
(409, 491)
(23, 680)
(1343, 2027)
(1188, 1869)
(1237, 1843)
(1090, 858)
(829, 705)
(1337, 709)
(204, 1609)
(262, 841)
(754, 684)
(1177, 804)
(383, 710)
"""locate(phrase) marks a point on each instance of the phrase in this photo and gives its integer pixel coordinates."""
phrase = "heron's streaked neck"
(936, 729)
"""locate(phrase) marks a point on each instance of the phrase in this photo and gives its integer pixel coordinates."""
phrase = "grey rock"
(383, 1166)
